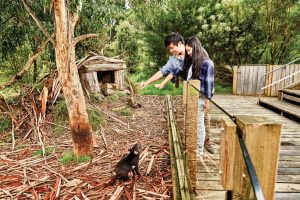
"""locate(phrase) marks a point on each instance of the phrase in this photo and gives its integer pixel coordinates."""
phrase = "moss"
(126, 111)
(70, 157)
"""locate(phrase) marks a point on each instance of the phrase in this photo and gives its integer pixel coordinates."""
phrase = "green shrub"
(95, 98)
(222, 89)
(60, 117)
(95, 118)
(5, 123)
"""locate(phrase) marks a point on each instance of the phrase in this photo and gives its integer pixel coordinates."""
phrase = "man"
(175, 43)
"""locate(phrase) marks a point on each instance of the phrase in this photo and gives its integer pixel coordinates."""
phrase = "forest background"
(234, 32)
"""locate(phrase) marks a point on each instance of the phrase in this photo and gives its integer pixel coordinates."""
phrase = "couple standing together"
(190, 61)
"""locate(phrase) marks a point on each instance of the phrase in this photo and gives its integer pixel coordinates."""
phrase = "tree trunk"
(65, 22)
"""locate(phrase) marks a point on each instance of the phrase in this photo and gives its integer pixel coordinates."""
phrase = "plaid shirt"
(206, 78)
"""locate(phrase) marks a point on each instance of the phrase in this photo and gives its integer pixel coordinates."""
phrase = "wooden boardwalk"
(288, 178)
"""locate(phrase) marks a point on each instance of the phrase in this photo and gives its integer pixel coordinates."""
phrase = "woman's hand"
(206, 106)
(159, 86)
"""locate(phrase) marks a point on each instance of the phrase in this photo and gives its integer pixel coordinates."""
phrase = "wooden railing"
(249, 150)
(182, 189)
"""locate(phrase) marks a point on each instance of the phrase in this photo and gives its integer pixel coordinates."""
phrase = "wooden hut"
(95, 70)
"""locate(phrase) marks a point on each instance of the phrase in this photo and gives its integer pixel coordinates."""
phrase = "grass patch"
(112, 98)
(150, 89)
(126, 111)
(222, 89)
(48, 151)
(120, 93)
(5, 123)
(95, 118)
(95, 98)
(60, 117)
(70, 157)
(168, 89)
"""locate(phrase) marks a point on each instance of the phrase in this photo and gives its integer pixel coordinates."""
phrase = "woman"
(197, 65)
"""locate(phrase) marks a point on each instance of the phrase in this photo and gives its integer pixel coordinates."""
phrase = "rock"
(107, 90)
(127, 91)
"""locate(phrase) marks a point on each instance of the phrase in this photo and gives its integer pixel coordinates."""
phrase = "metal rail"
(261, 79)
(253, 177)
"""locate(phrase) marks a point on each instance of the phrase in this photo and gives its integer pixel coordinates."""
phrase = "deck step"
(292, 96)
(292, 91)
(282, 106)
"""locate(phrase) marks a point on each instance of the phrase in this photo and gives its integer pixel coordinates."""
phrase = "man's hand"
(143, 84)
(159, 86)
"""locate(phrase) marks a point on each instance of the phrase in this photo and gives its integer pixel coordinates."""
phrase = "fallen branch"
(25, 2)
(117, 194)
(61, 176)
(103, 136)
(153, 193)
(83, 37)
(45, 179)
(26, 67)
(13, 135)
(67, 128)
(150, 165)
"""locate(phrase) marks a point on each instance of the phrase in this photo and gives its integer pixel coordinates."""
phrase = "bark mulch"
(25, 174)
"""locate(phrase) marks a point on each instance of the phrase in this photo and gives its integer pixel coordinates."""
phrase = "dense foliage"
(232, 31)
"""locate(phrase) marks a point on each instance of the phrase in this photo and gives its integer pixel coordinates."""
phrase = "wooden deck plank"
(283, 106)
(293, 91)
(288, 178)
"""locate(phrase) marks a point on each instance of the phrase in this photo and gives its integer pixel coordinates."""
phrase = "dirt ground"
(25, 175)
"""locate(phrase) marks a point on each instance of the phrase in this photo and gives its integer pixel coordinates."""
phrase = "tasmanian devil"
(128, 163)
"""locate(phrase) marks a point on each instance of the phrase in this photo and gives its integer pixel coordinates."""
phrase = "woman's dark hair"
(198, 56)
(174, 38)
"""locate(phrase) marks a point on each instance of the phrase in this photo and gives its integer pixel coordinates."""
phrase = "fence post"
(262, 138)
(230, 157)
(190, 102)
(235, 79)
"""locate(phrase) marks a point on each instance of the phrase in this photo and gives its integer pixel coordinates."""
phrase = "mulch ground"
(24, 175)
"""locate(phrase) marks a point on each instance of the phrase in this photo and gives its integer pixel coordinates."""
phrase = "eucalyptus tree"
(66, 15)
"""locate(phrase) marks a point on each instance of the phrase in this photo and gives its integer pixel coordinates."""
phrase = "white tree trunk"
(65, 60)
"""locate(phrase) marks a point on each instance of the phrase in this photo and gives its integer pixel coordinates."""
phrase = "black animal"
(128, 163)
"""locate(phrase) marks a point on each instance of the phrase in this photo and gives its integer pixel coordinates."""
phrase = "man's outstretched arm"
(155, 77)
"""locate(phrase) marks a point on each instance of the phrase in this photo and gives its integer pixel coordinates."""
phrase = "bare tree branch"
(40, 25)
(82, 37)
(26, 66)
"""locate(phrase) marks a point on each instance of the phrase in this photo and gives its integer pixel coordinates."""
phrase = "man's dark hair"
(174, 38)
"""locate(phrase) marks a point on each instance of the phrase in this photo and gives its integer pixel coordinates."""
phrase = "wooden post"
(230, 164)
(262, 138)
(119, 79)
(235, 80)
(190, 98)
(269, 78)
(90, 82)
